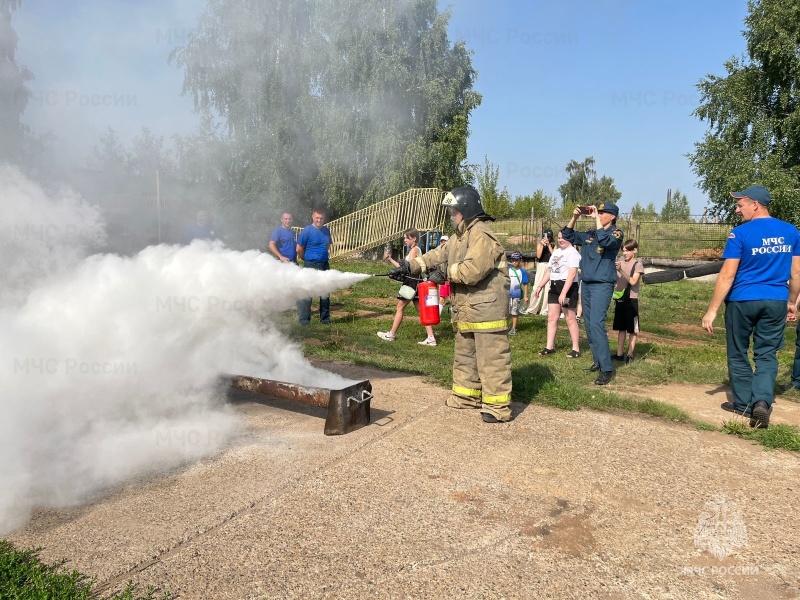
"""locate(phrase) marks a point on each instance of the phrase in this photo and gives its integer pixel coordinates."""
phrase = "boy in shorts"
(626, 309)
(518, 290)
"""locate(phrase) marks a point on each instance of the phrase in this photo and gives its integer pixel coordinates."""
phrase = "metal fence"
(422, 209)
(384, 222)
(679, 241)
(689, 241)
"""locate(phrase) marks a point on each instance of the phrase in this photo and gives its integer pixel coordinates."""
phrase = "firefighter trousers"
(482, 373)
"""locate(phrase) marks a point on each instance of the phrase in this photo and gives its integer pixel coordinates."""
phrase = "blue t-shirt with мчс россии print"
(765, 248)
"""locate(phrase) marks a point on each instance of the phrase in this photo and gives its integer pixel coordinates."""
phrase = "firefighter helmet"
(467, 201)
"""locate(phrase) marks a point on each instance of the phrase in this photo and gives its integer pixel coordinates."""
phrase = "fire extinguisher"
(428, 294)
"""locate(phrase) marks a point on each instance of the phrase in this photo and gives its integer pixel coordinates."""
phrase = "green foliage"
(774, 437)
(110, 156)
(145, 156)
(536, 206)
(23, 576)
(640, 213)
(496, 202)
(604, 190)
(583, 186)
(330, 102)
(14, 94)
(753, 115)
(676, 209)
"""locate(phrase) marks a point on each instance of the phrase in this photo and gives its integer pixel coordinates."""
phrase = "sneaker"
(428, 342)
(574, 354)
(512, 332)
(761, 413)
(547, 351)
(628, 359)
(618, 357)
(593, 369)
(386, 335)
(603, 377)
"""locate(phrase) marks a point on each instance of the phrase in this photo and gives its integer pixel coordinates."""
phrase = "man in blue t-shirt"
(761, 255)
(282, 243)
(201, 229)
(312, 247)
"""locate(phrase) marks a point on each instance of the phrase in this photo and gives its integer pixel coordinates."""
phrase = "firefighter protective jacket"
(475, 263)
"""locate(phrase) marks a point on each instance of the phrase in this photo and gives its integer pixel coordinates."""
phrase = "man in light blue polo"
(761, 255)
(313, 244)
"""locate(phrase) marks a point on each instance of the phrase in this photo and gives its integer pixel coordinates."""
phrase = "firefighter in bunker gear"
(474, 262)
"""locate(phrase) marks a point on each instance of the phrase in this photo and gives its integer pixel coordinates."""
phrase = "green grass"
(774, 437)
(23, 576)
(679, 350)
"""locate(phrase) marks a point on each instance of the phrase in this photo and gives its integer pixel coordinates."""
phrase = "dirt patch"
(652, 338)
(524, 241)
(684, 329)
(371, 314)
(702, 402)
(704, 253)
(379, 302)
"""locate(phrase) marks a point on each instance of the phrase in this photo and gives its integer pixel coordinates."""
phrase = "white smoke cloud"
(110, 367)
(39, 235)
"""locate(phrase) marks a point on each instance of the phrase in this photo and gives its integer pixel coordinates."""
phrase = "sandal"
(574, 354)
(547, 351)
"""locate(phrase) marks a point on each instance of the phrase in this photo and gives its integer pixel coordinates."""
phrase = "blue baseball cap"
(754, 192)
(516, 255)
(608, 207)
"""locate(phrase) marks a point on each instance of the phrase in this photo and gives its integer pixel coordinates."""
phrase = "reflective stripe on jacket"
(475, 263)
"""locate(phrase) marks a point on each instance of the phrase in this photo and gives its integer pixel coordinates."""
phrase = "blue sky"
(612, 79)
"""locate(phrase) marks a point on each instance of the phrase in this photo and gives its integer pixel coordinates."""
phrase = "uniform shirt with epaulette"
(599, 249)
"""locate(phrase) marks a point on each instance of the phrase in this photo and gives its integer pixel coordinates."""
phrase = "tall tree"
(14, 94)
(676, 209)
(149, 155)
(537, 206)
(199, 155)
(342, 102)
(110, 156)
(580, 176)
(583, 186)
(642, 213)
(495, 202)
(753, 115)
(604, 190)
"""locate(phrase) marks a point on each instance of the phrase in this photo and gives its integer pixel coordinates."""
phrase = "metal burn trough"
(348, 408)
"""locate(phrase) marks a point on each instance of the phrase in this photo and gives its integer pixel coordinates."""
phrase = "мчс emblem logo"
(720, 528)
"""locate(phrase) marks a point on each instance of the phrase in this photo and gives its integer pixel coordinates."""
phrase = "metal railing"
(383, 222)
(689, 241)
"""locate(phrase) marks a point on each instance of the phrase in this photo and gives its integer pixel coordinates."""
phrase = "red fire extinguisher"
(428, 293)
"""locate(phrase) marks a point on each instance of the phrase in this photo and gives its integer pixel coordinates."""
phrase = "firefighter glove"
(401, 272)
(437, 277)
